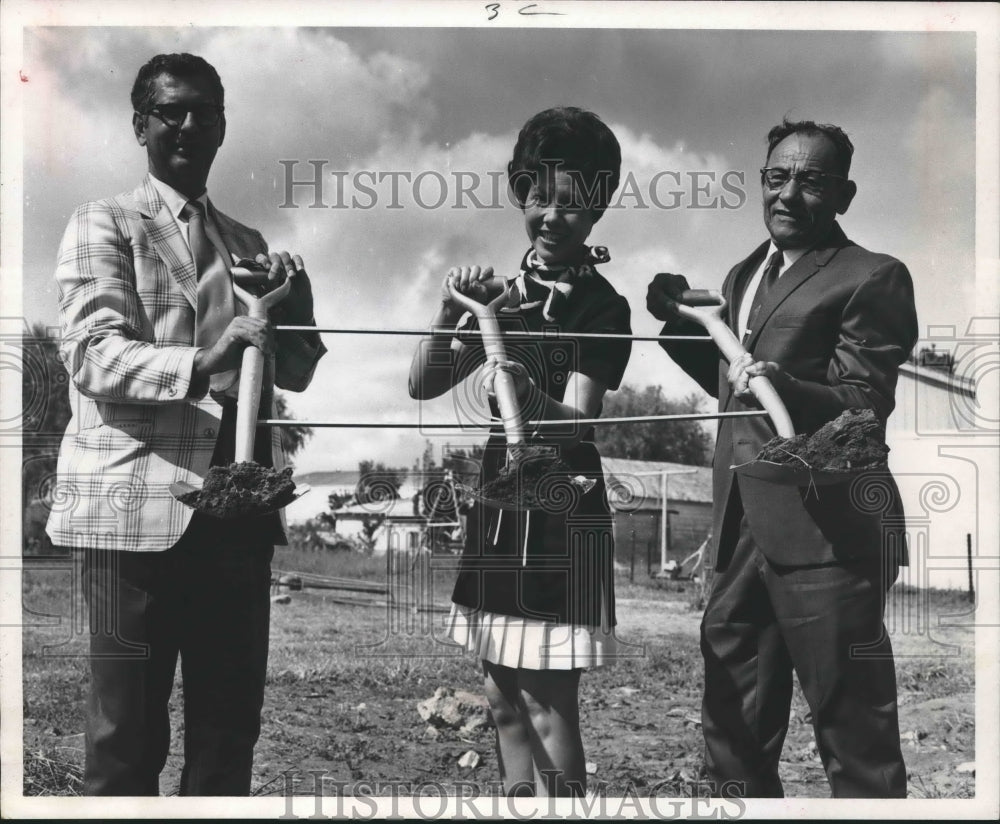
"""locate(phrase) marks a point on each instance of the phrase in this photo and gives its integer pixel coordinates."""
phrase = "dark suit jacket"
(839, 321)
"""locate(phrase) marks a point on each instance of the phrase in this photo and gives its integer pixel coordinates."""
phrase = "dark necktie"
(766, 282)
(216, 307)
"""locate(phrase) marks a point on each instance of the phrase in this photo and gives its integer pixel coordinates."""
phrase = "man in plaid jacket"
(160, 580)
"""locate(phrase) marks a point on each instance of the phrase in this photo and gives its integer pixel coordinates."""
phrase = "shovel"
(251, 383)
(705, 307)
(529, 467)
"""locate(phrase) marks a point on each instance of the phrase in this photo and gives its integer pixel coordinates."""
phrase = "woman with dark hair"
(534, 598)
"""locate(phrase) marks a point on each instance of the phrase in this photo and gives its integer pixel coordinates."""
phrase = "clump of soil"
(242, 489)
(519, 482)
(855, 440)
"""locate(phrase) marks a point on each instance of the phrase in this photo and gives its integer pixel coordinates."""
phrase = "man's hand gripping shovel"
(248, 286)
(705, 307)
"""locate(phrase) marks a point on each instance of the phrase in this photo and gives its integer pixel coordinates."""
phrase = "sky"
(691, 109)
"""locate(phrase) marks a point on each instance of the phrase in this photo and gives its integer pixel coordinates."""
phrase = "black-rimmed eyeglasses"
(175, 114)
(815, 183)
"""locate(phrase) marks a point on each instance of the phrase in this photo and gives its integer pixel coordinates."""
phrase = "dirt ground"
(347, 671)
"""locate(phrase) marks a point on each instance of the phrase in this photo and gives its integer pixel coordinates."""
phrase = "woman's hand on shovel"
(523, 385)
(469, 280)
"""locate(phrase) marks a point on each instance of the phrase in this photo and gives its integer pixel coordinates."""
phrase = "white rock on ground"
(457, 709)
(469, 760)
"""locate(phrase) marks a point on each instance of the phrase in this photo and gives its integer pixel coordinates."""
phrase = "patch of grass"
(934, 678)
(46, 590)
(962, 787)
(640, 717)
(48, 774)
(937, 602)
(332, 563)
(433, 575)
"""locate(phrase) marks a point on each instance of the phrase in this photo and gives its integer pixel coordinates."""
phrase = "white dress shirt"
(789, 257)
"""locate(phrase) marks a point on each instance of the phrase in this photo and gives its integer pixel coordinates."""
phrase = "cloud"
(942, 144)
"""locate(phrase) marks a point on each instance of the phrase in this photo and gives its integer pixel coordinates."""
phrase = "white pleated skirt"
(527, 643)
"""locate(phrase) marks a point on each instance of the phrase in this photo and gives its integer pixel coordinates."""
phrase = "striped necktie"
(216, 305)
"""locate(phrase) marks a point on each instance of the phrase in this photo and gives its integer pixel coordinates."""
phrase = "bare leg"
(550, 698)
(513, 739)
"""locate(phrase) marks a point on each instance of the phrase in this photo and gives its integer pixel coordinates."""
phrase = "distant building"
(635, 491)
(397, 526)
(935, 436)
(931, 397)
(324, 484)
(398, 529)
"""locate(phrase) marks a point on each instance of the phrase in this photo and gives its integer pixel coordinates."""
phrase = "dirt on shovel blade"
(242, 489)
(519, 484)
(855, 440)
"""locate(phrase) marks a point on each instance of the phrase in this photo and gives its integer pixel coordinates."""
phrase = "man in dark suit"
(152, 341)
(802, 574)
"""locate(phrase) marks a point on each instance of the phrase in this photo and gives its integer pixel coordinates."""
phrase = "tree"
(335, 500)
(425, 463)
(293, 438)
(45, 411)
(378, 482)
(684, 442)
(464, 463)
(370, 524)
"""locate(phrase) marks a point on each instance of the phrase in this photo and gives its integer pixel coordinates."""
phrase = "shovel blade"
(792, 475)
(179, 489)
(528, 499)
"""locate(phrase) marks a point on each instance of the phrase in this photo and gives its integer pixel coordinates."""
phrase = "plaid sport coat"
(127, 300)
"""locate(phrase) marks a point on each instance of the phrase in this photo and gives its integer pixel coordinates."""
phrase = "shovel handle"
(496, 291)
(701, 297)
(248, 400)
(729, 345)
(248, 277)
(252, 370)
(503, 384)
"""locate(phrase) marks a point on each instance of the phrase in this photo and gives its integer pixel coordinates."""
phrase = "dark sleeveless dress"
(550, 570)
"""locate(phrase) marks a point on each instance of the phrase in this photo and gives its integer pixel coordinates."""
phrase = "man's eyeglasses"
(815, 183)
(174, 114)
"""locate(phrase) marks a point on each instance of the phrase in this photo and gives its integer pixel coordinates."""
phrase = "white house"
(942, 447)
(322, 485)
(400, 526)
